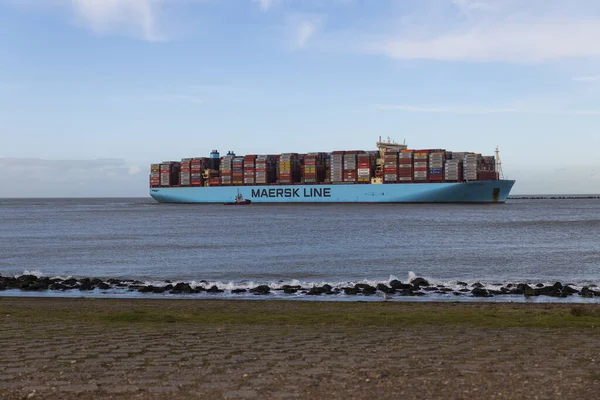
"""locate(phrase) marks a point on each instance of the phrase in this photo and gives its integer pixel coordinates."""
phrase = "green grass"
(308, 314)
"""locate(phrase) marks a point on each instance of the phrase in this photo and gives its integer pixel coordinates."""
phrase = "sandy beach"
(123, 349)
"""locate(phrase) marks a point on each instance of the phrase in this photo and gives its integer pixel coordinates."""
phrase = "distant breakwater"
(394, 288)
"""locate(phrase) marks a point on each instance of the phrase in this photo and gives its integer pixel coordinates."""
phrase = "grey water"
(524, 240)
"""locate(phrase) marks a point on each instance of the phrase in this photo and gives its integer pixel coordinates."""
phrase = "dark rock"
(70, 282)
(182, 287)
(350, 291)
(58, 286)
(295, 287)
(419, 282)
(464, 290)
(430, 289)
(369, 290)
(316, 291)
(385, 289)
(457, 293)
(523, 286)
(461, 283)
(86, 285)
(587, 292)
(529, 291)
(510, 285)
(477, 285)
(400, 286)
(549, 291)
(114, 281)
(96, 281)
(539, 285)
(168, 287)
(290, 290)
(237, 291)
(558, 285)
(36, 286)
(27, 278)
(516, 291)
(445, 290)
(395, 284)
(261, 289)
(103, 286)
(214, 289)
(146, 289)
(2, 285)
(569, 290)
(479, 292)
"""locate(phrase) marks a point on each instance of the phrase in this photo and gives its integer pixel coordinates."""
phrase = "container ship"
(391, 174)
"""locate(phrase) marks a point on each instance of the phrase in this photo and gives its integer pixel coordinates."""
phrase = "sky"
(93, 91)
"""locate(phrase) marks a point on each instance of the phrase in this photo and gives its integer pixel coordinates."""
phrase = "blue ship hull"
(462, 192)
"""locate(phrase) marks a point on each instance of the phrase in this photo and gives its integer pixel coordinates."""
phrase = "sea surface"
(523, 241)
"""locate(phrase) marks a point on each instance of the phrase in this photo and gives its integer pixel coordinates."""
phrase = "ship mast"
(499, 164)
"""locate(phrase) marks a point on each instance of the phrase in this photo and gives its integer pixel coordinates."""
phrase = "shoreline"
(415, 289)
(146, 348)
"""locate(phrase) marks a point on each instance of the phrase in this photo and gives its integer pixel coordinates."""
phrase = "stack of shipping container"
(169, 173)
(227, 170)
(312, 162)
(249, 169)
(420, 165)
(265, 169)
(350, 167)
(363, 172)
(453, 170)
(390, 166)
(185, 177)
(237, 171)
(436, 166)
(154, 175)
(486, 170)
(288, 167)
(470, 166)
(337, 167)
(405, 166)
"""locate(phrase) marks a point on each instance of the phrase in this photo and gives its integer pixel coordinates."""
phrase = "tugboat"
(238, 201)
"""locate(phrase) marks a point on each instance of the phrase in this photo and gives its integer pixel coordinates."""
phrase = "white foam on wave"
(411, 276)
(34, 272)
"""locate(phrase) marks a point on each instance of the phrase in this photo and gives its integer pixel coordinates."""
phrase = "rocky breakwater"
(394, 288)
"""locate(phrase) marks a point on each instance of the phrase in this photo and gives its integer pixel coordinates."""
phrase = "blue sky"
(93, 91)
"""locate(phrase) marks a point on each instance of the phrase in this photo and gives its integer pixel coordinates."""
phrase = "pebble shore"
(56, 348)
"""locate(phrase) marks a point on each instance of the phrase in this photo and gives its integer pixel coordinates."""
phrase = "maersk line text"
(306, 192)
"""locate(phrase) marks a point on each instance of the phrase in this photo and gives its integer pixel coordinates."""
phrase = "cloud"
(264, 4)
(303, 27)
(587, 78)
(511, 31)
(33, 177)
(520, 42)
(448, 109)
(132, 17)
(469, 109)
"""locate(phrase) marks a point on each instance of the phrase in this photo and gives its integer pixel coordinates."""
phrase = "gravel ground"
(84, 349)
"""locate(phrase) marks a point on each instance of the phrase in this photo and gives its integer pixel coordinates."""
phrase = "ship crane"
(499, 164)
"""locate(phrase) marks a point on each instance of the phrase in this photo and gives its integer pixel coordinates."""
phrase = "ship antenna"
(499, 164)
